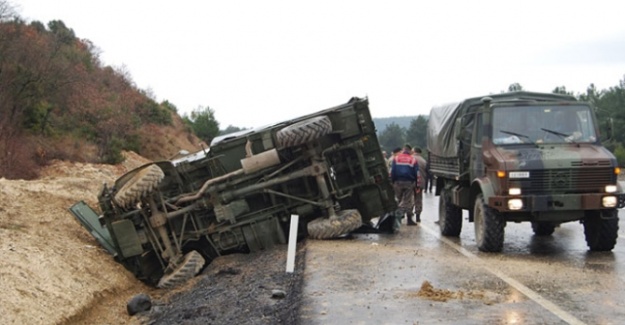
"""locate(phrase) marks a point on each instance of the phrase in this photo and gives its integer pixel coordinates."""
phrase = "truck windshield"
(543, 124)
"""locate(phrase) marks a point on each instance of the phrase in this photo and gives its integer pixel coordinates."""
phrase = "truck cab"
(523, 157)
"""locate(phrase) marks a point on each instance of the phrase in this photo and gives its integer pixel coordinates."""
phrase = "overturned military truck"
(165, 220)
(523, 157)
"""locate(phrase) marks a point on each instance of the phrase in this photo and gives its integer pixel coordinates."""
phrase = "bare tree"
(7, 11)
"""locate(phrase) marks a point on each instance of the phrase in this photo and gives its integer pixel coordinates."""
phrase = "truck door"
(89, 219)
(477, 161)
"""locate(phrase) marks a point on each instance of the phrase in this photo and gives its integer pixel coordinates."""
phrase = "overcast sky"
(258, 62)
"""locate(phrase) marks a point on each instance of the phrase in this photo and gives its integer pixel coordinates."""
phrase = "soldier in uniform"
(418, 195)
(404, 175)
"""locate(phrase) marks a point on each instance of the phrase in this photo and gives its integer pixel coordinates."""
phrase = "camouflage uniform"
(418, 194)
(429, 179)
(405, 194)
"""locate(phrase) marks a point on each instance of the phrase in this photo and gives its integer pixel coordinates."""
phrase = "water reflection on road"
(378, 278)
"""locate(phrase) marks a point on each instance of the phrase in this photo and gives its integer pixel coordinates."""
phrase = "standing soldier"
(394, 154)
(418, 195)
(429, 179)
(404, 175)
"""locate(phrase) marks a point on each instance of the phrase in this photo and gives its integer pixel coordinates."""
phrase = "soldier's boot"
(418, 217)
(409, 219)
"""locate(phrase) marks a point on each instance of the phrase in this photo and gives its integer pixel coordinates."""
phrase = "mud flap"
(90, 220)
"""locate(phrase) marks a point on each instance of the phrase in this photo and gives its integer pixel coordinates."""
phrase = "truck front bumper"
(556, 202)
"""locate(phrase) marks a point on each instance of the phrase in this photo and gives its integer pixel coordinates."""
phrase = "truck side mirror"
(610, 128)
(607, 129)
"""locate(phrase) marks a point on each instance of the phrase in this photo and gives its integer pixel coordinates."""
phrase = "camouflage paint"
(563, 177)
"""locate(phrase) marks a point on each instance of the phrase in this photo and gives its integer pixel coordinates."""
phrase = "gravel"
(236, 289)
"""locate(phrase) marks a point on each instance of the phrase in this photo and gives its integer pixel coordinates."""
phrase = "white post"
(290, 256)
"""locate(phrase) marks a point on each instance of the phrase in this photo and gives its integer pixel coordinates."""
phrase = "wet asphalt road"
(378, 278)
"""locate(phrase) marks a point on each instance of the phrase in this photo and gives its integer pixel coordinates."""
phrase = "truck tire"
(489, 226)
(542, 228)
(139, 185)
(304, 131)
(191, 264)
(325, 228)
(449, 216)
(601, 229)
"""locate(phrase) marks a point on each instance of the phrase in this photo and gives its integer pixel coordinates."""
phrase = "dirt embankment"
(52, 270)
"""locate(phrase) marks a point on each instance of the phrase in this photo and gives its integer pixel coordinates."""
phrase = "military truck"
(165, 220)
(523, 157)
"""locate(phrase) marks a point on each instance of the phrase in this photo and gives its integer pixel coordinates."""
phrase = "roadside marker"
(290, 256)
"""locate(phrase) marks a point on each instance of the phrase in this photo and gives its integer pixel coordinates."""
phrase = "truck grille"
(578, 180)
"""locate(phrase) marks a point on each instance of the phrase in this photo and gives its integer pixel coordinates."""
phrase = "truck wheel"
(191, 264)
(489, 226)
(601, 229)
(543, 228)
(304, 131)
(449, 216)
(325, 228)
(139, 185)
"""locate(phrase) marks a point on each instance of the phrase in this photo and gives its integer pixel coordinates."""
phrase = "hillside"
(59, 102)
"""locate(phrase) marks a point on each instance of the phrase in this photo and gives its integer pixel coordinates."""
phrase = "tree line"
(59, 101)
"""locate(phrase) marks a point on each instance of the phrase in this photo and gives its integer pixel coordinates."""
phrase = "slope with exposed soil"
(52, 270)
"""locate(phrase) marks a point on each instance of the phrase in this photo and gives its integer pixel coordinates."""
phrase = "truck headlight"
(514, 191)
(610, 188)
(515, 204)
(609, 201)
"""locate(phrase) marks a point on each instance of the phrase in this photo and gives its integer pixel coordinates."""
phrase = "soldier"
(418, 195)
(404, 175)
(429, 179)
(394, 154)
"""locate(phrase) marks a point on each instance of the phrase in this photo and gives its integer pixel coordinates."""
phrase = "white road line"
(533, 295)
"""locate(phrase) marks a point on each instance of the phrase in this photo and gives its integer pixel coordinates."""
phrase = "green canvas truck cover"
(442, 132)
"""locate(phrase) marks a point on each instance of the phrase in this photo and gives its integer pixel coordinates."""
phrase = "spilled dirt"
(52, 269)
(427, 291)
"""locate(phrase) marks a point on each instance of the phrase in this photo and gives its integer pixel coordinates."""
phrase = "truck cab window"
(537, 124)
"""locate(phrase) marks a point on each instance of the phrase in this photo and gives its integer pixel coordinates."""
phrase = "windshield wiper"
(517, 134)
(564, 136)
